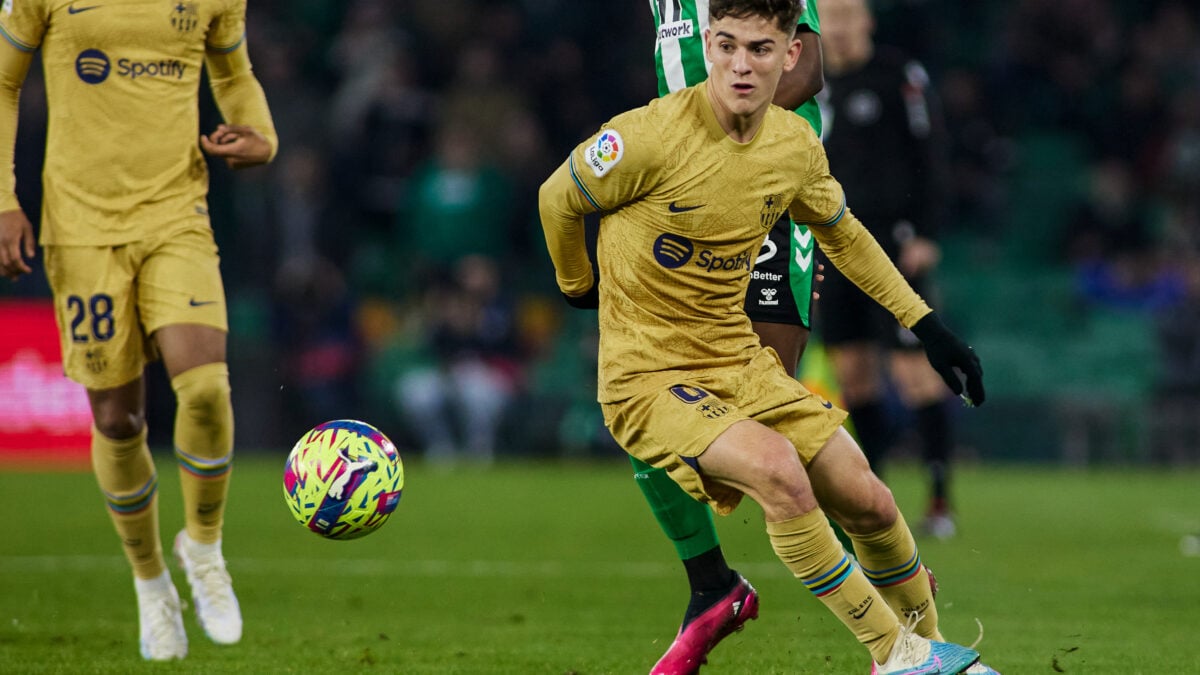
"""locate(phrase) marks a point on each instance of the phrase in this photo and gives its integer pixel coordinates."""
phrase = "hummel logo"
(804, 250)
(675, 208)
(200, 303)
(72, 9)
(802, 236)
(804, 260)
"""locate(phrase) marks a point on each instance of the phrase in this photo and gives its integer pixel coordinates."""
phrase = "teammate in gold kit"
(687, 187)
(131, 261)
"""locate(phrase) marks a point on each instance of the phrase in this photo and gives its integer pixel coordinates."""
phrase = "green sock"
(687, 522)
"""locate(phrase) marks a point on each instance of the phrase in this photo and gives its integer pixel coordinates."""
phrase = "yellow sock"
(125, 472)
(890, 560)
(808, 547)
(204, 447)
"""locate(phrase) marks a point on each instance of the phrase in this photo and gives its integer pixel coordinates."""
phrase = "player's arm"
(16, 232)
(600, 174)
(562, 206)
(807, 78)
(850, 246)
(248, 136)
(858, 256)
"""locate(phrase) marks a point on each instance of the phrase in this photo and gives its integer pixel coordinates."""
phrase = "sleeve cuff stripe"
(16, 42)
(579, 184)
(225, 50)
(835, 218)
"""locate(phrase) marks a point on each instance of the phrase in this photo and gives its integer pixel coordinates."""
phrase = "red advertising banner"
(44, 417)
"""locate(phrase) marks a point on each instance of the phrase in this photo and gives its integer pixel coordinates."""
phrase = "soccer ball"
(343, 479)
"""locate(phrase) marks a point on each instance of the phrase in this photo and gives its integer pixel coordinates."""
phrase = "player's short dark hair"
(785, 13)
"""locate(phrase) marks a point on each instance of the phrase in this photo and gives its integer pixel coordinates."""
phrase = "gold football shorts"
(108, 299)
(671, 425)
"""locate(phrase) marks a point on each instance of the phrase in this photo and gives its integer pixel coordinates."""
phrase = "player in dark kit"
(885, 142)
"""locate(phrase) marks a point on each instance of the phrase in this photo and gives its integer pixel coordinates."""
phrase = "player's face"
(748, 58)
(846, 27)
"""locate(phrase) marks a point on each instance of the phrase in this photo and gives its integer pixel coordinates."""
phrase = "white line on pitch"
(51, 564)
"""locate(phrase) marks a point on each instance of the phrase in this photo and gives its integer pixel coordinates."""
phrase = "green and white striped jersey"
(679, 47)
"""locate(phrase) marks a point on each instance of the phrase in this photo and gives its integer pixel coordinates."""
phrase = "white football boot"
(160, 619)
(212, 590)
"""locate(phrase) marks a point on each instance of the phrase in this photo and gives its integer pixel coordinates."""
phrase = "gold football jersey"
(684, 212)
(122, 77)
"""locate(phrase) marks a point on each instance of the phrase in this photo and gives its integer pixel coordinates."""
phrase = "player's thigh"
(669, 427)
(847, 489)
(859, 368)
(762, 463)
(179, 285)
(917, 383)
(95, 305)
(184, 346)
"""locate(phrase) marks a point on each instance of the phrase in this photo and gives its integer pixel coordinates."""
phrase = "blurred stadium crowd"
(389, 264)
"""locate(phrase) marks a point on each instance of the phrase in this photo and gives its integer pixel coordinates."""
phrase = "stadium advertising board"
(44, 417)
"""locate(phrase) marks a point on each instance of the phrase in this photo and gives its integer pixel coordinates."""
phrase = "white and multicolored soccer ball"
(343, 479)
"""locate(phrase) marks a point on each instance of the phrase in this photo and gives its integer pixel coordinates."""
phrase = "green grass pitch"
(558, 568)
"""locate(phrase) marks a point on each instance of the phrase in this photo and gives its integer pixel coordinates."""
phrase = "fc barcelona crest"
(709, 406)
(772, 209)
(184, 16)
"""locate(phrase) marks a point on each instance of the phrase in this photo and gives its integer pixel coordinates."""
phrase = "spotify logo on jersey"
(672, 251)
(92, 66)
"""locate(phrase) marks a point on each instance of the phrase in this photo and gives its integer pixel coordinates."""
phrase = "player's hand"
(950, 356)
(239, 145)
(16, 244)
(589, 300)
(918, 256)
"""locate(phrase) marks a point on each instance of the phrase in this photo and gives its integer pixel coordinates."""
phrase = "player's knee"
(874, 510)
(781, 476)
(117, 423)
(203, 393)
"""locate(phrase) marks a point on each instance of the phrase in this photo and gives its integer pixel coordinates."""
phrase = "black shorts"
(847, 315)
(781, 283)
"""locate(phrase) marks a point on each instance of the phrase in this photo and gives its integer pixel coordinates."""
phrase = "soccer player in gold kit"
(131, 260)
(687, 188)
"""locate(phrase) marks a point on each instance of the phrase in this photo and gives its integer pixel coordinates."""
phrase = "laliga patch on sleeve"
(606, 152)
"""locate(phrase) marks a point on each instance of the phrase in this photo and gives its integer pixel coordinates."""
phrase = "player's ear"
(793, 54)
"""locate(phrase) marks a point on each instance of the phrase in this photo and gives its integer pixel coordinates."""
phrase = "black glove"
(946, 353)
(589, 300)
